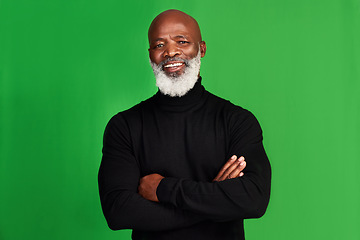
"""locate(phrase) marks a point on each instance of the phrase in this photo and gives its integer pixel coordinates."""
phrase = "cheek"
(155, 57)
(191, 52)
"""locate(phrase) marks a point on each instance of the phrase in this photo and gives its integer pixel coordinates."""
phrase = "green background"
(67, 66)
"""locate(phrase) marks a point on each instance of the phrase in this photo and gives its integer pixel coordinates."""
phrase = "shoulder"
(230, 109)
(132, 116)
(134, 112)
(236, 116)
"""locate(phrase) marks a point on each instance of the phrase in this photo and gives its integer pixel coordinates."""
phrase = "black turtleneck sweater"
(187, 140)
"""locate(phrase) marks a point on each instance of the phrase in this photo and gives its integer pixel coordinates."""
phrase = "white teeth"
(173, 65)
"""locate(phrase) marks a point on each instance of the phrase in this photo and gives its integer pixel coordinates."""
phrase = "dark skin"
(175, 34)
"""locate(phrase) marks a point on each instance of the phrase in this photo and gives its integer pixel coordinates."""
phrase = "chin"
(174, 74)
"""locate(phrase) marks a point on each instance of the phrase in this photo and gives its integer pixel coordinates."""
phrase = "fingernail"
(233, 157)
(241, 174)
(242, 158)
(243, 163)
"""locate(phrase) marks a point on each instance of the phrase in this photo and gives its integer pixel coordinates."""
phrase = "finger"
(233, 167)
(228, 170)
(242, 164)
(226, 166)
(236, 172)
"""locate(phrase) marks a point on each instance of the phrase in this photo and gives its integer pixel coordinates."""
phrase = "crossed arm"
(124, 201)
(232, 169)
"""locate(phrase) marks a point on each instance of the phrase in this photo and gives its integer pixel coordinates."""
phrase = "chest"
(183, 145)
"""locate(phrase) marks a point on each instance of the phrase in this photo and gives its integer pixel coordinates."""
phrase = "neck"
(193, 96)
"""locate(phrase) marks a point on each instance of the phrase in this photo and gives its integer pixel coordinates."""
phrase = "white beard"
(177, 85)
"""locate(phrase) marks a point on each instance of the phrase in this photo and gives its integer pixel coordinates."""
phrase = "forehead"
(171, 30)
(170, 27)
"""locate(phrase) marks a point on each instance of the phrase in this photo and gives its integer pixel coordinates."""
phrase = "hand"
(148, 185)
(232, 169)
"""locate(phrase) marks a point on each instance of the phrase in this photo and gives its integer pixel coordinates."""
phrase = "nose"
(171, 51)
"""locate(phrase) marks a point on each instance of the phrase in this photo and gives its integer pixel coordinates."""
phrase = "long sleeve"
(239, 198)
(118, 180)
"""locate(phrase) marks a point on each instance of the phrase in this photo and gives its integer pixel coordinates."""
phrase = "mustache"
(186, 62)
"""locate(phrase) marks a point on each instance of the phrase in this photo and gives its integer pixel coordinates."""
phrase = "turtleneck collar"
(192, 97)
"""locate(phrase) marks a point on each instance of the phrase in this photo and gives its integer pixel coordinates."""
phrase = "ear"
(149, 52)
(202, 48)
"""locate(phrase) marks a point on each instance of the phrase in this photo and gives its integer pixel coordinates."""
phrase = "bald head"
(171, 19)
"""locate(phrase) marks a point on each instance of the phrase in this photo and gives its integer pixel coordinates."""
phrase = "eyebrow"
(181, 36)
(158, 39)
(177, 36)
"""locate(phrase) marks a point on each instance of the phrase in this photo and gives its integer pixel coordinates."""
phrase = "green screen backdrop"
(67, 66)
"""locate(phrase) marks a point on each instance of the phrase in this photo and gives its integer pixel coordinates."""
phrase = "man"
(173, 166)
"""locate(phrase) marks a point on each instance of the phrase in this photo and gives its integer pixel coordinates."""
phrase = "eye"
(183, 42)
(158, 45)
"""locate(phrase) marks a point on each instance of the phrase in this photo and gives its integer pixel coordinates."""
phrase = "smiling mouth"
(173, 65)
